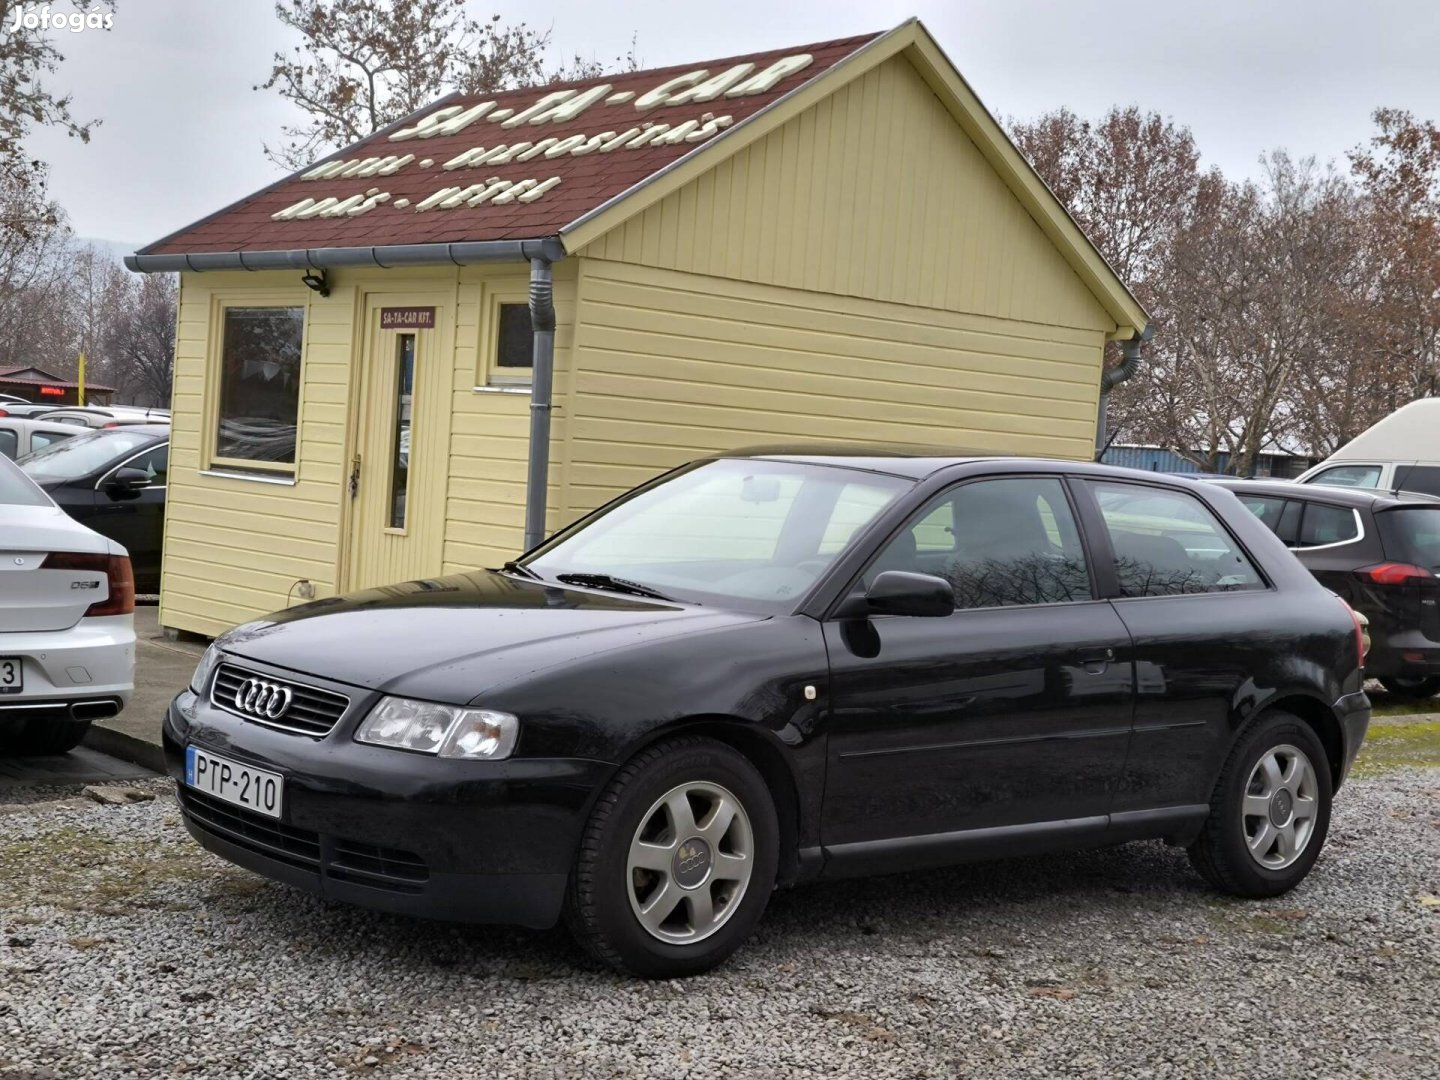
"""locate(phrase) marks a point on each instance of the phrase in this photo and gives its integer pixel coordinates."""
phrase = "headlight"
(204, 669)
(445, 730)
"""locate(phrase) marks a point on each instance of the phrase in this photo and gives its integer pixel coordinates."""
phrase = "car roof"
(1339, 496)
(918, 463)
(38, 423)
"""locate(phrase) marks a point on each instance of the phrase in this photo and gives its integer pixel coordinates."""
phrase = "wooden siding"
(874, 192)
(236, 548)
(671, 366)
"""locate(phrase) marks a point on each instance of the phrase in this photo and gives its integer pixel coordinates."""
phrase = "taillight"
(1362, 645)
(112, 424)
(118, 575)
(1394, 573)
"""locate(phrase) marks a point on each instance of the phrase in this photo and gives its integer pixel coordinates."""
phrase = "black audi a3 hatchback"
(770, 668)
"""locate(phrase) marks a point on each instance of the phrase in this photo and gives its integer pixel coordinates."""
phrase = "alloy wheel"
(690, 862)
(1280, 807)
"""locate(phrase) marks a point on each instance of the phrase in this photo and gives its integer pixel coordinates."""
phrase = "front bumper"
(487, 842)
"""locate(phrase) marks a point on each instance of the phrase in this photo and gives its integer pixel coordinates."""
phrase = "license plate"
(229, 781)
(12, 675)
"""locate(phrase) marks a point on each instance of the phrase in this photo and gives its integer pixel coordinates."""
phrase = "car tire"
(718, 870)
(38, 738)
(1258, 802)
(1418, 687)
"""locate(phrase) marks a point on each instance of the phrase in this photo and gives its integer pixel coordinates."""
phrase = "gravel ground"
(126, 951)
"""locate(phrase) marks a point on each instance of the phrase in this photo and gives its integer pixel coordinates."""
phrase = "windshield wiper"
(613, 584)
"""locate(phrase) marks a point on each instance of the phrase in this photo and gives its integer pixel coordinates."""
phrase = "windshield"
(15, 490)
(84, 454)
(745, 533)
(1412, 534)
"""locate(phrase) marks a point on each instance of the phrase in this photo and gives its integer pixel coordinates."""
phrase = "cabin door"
(397, 469)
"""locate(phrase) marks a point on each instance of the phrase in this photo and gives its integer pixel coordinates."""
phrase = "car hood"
(453, 638)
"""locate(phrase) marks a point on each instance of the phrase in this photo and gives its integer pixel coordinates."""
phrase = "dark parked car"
(1381, 552)
(771, 668)
(113, 480)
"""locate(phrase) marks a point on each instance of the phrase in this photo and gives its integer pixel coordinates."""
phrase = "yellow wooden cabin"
(829, 243)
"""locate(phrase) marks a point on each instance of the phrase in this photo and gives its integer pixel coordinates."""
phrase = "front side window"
(155, 464)
(1168, 543)
(1360, 476)
(9, 443)
(999, 543)
(1280, 516)
(1324, 525)
(41, 439)
(259, 398)
(749, 533)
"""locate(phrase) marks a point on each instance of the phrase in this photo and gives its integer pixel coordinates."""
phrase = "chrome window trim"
(1359, 525)
(247, 673)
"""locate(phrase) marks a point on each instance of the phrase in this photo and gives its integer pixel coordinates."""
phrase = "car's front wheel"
(1270, 810)
(1417, 687)
(677, 861)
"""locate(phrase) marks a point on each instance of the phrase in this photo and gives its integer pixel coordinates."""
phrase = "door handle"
(1095, 661)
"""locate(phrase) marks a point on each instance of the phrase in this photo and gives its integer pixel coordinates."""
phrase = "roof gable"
(517, 165)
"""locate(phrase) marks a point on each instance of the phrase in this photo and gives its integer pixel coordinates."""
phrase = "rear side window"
(1422, 478)
(9, 443)
(1169, 543)
(16, 488)
(41, 439)
(1412, 535)
(1361, 476)
(1324, 525)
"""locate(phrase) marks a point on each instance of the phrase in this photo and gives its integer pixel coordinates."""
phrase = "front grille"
(386, 868)
(334, 857)
(311, 711)
(266, 836)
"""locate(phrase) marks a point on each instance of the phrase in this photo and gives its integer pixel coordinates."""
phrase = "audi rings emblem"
(268, 701)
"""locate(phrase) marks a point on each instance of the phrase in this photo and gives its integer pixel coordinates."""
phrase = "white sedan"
(67, 622)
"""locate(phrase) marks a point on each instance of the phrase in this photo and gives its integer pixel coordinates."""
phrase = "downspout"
(1129, 364)
(542, 322)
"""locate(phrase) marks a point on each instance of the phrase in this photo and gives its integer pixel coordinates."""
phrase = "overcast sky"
(183, 129)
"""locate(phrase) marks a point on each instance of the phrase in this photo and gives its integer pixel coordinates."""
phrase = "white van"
(1400, 453)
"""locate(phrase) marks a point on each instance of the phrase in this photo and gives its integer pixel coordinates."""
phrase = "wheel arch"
(1321, 718)
(763, 750)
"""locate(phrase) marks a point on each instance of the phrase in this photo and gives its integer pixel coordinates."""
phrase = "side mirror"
(899, 592)
(126, 483)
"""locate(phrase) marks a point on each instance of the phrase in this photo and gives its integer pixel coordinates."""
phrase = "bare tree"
(138, 339)
(28, 56)
(363, 64)
(1132, 181)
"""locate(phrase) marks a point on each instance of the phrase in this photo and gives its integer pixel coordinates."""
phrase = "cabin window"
(507, 339)
(259, 385)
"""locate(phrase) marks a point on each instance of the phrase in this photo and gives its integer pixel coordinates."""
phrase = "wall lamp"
(319, 282)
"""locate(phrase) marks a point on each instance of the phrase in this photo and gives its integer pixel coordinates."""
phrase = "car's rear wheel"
(677, 861)
(1270, 810)
(1416, 686)
(37, 738)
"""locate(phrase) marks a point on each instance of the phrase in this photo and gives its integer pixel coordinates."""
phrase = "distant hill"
(117, 248)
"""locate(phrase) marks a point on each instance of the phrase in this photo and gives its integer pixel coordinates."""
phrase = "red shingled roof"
(586, 181)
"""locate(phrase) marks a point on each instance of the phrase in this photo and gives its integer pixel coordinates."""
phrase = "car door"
(1014, 710)
(1198, 613)
(136, 519)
